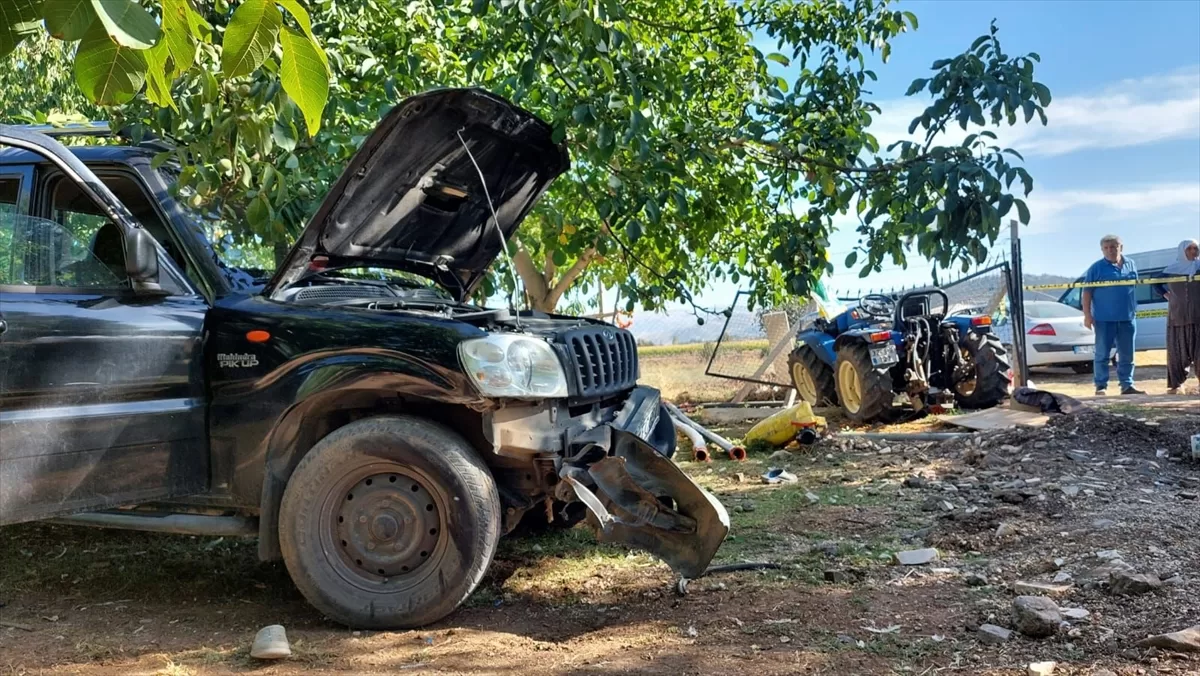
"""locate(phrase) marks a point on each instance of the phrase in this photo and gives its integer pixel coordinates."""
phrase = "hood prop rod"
(499, 233)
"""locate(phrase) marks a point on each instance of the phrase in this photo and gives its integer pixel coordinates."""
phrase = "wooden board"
(996, 419)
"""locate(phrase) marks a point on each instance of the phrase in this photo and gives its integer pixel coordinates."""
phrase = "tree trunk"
(542, 289)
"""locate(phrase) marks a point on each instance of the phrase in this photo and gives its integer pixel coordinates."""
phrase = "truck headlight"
(513, 366)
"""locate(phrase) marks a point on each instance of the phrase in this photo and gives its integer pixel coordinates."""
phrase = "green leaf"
(1006, 202)
(158, 86)
(304, 77)
(127, 23)
(779, 58)
(851, 259)
(941, 63)
(559, 133)
(634, 230)
(1042, 92)
(107, 73)
(1022, 211)
(284, 134)
(912, 19)
(178, 29)
(979, 42)
(68, 19)
(604, 136)
(291, 162)
(1029, 107)
(250, 37)
(916, 86)
(21, 18)
(258, 214)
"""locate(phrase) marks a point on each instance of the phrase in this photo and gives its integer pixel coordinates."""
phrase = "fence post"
(1020, 370)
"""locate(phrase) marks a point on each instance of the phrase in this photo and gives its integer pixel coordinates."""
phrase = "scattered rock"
(916, 557)
(1173, 581)
(990, 633)
(915, 481)
(1103, 672)
(976, 580)
(747, 506)
(1061, 577)
(1101, 524)
(1186, 640)
(1188, 495)
(1036, 616)
(1128, 584)
(271, 643)
(812, 498)
(1041, 588)
(740, 478)
(1006, 529)
(838, 576)
(1041, 668)
(1070, 491)
(779, 457)
(1075, 613)
(1108, 555)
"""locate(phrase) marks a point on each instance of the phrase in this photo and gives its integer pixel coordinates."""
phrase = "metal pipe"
(711, 436)
(698, 445)
(166, 522)
(904, 436)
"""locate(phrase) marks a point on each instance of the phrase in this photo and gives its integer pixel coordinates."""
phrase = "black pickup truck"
(355, 412)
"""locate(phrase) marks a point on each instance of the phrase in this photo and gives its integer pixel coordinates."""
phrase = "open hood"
(411, 198)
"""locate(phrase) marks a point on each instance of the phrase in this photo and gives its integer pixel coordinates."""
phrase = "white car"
(1054, 335)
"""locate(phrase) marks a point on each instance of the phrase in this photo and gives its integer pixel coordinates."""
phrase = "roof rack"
(97, 129)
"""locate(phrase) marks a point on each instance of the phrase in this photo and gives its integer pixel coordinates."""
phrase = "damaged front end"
(637, 496)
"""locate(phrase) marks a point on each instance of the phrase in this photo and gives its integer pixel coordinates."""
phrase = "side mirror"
(141, 260)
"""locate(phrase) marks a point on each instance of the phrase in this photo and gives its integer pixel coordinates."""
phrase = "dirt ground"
(1015, 506)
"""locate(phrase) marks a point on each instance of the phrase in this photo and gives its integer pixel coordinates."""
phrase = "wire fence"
(754, 344)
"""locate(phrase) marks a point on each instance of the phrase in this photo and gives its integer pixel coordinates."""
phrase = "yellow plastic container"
(781, 427)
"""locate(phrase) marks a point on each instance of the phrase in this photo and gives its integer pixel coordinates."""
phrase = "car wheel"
(389, 523)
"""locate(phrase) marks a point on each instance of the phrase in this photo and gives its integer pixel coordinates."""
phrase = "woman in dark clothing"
(1183, 316)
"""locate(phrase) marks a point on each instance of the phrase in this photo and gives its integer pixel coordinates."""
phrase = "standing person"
(1183, 316)
(1112, 312)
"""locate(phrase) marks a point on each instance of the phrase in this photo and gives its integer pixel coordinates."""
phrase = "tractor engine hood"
(411, 198)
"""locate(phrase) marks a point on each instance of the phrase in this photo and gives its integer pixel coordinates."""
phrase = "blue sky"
(1121, 153)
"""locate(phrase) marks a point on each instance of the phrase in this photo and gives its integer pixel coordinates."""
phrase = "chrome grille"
(605, 360)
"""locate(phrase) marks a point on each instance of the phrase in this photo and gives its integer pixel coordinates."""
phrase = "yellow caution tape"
(1092, 285)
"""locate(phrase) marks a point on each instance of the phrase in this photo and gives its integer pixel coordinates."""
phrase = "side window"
(9, 191)
(38, 252)
(1146, 293)
(1074, 298)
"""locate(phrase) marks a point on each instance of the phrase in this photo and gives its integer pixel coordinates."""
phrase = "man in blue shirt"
(1112, 312)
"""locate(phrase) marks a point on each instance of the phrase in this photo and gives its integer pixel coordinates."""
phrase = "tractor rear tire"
(865, 391)
(812, 378)
(993, 375)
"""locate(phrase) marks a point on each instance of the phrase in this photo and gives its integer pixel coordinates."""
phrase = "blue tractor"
(887, 353)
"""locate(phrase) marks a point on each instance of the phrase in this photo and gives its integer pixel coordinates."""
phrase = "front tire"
(389, 523)
(865, 391)
(812, 378)
(992, 377)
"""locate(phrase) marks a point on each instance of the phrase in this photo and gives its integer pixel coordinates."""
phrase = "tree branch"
(534, 284)
(570, 276)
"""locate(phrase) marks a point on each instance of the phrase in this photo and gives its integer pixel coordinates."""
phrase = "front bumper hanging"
(638, 497)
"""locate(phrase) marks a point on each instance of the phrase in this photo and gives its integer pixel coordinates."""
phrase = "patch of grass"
(698, 348)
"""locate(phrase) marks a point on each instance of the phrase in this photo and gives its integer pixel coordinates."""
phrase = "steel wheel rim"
(384, 535)
(805, 385)
(849, 387)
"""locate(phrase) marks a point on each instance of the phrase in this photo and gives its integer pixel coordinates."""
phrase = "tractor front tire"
(993, 375)
(812, 378)
(865, 391)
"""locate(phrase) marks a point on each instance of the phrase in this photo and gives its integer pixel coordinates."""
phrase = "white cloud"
(1055, 211)
(1127, 113)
